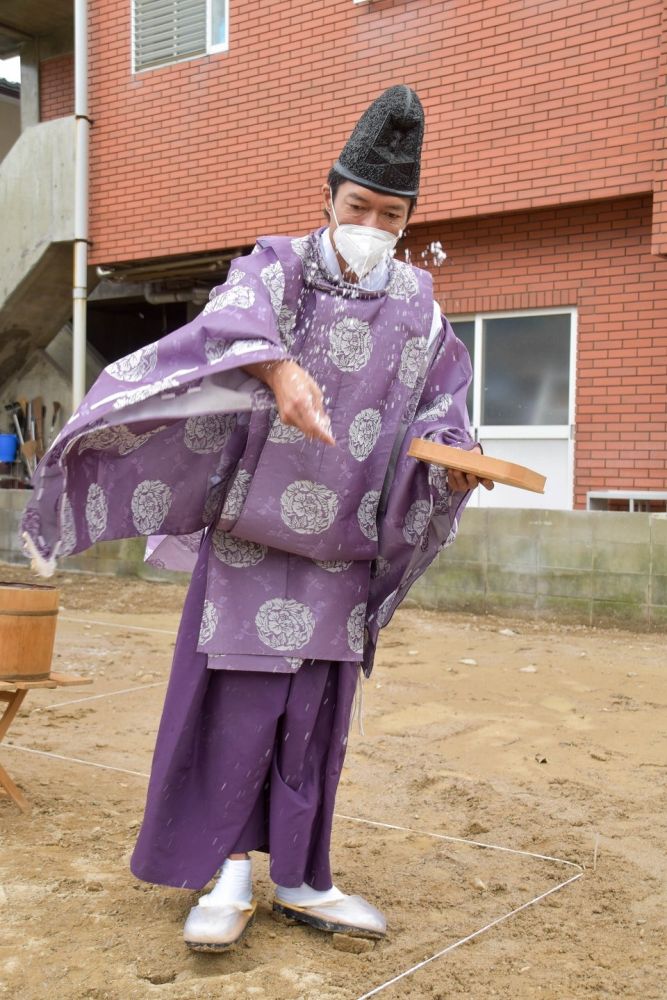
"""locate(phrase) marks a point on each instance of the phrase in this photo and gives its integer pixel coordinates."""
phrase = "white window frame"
(221, 46)
(210, 48)
(526, 431)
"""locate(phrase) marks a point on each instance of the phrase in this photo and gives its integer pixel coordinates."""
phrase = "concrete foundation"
(583, 567)
(589, 567)
(122, 558)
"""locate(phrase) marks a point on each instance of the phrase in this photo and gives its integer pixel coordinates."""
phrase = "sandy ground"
(538, 738)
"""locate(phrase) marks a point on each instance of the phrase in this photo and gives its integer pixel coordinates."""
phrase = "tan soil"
(542, 759)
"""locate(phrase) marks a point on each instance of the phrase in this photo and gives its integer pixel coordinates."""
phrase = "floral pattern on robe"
(156, 444)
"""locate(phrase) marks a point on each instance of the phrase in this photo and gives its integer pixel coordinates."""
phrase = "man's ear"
(326, 202)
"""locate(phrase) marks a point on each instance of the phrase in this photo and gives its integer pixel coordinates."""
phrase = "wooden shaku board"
(482, 466)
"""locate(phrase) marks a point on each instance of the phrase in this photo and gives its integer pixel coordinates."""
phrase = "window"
(166, 31)
(521, 401)
(526, 370)
(522, 366)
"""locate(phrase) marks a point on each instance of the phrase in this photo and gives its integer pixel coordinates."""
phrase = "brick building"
(544, 180)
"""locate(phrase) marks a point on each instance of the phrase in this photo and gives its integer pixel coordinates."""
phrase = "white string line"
(73, 760)
(462, 840)
(387, 826)
(134, 628)
(94, 697)
(470, 937)
(108, 694)
(352, 819)
(487, 927)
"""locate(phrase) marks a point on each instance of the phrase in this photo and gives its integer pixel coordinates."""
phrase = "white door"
(521, 401)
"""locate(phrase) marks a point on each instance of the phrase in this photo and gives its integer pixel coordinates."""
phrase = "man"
(268, 440)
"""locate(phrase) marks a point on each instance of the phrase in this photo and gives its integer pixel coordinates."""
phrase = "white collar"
(374, 281)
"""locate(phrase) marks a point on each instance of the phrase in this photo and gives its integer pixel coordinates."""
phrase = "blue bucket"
(8, 447)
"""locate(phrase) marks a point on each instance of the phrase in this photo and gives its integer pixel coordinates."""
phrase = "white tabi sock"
(306, 896)
(234, 884)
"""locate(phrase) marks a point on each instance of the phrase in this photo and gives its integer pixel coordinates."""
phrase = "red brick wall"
(56, 87)
(660, 177)
(595, 257)
(529, 103)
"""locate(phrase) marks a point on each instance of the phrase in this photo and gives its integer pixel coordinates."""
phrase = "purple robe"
(307, 551)
(313, 546)
(243, 762)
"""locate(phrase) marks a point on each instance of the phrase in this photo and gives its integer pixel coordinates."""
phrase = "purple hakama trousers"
(243, 761)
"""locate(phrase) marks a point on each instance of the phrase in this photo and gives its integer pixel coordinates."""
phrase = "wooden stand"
(13, 694)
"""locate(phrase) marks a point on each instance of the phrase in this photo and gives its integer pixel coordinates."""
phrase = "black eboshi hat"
(384, 151)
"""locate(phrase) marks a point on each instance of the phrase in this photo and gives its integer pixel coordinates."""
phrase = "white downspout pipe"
(80, 278)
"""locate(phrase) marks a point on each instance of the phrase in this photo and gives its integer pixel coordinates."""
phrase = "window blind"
(168, 30)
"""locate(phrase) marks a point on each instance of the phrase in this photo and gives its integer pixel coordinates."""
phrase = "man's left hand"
(462, 482)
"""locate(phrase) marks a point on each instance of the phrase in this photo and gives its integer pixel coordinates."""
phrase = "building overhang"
(22, 21)
(206, 269)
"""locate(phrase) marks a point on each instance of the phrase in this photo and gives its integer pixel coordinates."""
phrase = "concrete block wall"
(121, 558)
(12, 503)
(589, 567)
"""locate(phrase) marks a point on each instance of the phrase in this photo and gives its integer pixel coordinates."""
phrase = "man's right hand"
(298, 397)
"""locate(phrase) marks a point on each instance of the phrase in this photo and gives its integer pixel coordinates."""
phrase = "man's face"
(362, 207)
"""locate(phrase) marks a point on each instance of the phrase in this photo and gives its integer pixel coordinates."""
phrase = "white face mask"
(362, 247)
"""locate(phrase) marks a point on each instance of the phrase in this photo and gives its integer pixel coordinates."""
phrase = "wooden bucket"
(28, 614)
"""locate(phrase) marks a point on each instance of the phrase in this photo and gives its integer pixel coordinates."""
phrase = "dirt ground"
(540, 738)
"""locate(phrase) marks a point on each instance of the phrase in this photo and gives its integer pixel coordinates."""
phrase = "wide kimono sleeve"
(420, 515)
(152, 438)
